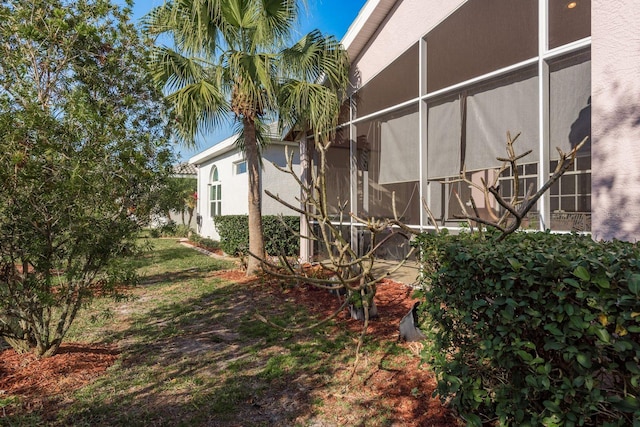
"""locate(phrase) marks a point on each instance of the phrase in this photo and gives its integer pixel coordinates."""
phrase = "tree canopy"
(84, 141)
(235, 58)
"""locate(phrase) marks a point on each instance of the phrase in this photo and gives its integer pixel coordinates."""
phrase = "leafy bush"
(85, 147)
(540, 329)
(278, 237)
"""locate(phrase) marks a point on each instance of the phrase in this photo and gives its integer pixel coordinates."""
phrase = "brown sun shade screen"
(399, 148)
(569, 20)
(337, 177)
(443, 138)
(509, 104)
(480, 37)
(395, 84)
(570, 104)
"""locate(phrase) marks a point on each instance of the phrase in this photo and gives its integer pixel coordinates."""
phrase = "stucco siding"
(234, 186)
(616, 119)
(234, 191)
(406, 23)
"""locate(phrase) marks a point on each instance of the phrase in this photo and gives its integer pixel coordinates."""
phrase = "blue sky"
(330, 16)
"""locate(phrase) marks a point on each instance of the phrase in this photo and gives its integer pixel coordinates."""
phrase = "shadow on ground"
(208, 361)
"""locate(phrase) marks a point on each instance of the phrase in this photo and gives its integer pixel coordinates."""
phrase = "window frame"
(240, 167)
(215, 193)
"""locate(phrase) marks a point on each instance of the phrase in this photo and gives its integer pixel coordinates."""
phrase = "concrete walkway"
(407, 274)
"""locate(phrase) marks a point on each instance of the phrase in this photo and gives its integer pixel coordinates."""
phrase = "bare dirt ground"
(400, 380)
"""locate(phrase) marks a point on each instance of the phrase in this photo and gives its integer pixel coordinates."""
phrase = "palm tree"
(229, 58)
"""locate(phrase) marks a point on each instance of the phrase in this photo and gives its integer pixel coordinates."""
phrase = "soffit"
(372, 14)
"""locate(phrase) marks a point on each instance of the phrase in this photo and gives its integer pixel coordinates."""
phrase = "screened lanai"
(448, 100)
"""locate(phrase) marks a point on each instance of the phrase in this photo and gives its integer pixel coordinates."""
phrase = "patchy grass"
(193, 353)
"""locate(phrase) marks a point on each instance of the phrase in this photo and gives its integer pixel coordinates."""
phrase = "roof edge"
(225, 146)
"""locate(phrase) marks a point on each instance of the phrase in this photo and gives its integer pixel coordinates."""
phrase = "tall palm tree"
(231, 58)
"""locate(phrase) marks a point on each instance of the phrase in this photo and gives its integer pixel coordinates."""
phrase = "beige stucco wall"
(235, 187)
(410, 20)
(616, 119)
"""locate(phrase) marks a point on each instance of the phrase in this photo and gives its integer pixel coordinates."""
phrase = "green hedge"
(234, 234)
(539, 329)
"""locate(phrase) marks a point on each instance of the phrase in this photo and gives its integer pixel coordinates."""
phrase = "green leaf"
(603, 334)
(584, 360)
(551, 406)
(553, 329)
(634, 284)
(545, 382)
(524, 355)
(554, 345)
(473, 420)
(602, 282)
(571, 282)
(514, 264)
(569, 309)
(588, 382)
(632, 367)
(582, 273)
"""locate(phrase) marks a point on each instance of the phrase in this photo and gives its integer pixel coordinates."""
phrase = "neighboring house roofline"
(185, 170)
(225, 146)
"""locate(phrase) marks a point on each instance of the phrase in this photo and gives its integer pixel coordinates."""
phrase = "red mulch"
(38, 382)
(398, 387)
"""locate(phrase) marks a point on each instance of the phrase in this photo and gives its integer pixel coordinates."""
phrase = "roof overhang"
(225, 146)
(372, 14)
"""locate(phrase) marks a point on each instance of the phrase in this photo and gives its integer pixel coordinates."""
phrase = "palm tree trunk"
(256, 238)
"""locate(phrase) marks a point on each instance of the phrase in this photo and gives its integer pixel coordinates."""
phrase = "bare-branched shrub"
(349, 273)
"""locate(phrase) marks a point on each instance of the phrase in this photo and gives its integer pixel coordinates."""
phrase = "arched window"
(215, 194)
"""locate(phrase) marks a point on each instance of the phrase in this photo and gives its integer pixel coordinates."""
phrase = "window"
(337, 178)
(476, 75)
(240, 167)
(571, 197)
(468, 127)
(527, 179)
(215, 194)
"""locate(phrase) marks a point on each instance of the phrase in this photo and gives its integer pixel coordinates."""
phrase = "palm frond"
(317, 57)
(199, 108)
(253, 76)
(194, 26)
(277, 19)
(309, 105)
(173, 71)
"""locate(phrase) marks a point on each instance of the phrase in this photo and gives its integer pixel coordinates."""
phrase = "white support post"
(306, 247)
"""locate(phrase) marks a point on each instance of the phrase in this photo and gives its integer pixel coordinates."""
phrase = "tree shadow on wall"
(615, 169)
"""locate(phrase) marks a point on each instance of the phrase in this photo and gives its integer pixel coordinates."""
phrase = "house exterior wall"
(234, 187)
(616, 119)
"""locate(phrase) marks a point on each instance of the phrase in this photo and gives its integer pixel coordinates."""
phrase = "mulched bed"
(40, 382)
(398, 387)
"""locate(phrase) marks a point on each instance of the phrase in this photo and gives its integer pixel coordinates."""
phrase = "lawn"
(185, 348)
